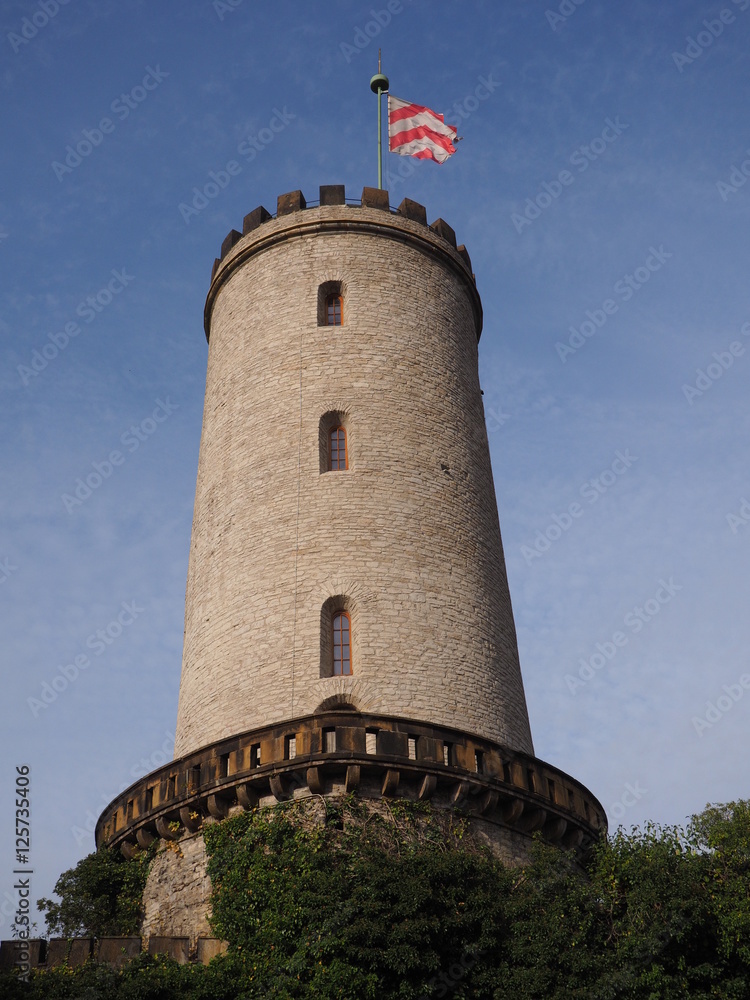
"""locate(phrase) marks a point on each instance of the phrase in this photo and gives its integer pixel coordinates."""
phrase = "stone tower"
(348, 623)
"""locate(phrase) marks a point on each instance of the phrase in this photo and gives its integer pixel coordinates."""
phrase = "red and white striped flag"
(414, 130)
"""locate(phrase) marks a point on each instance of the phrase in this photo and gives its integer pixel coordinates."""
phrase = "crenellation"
(232, 237)
(403, 544)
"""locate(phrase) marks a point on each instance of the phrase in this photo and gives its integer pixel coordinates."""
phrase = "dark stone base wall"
(112, 951)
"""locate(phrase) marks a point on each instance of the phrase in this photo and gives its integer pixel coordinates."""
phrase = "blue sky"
(599, 189)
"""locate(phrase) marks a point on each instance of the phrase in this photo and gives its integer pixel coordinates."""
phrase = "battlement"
(334, 208)
(339, 752)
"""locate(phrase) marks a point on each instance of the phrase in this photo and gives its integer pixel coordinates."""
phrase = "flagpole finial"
(379, 85)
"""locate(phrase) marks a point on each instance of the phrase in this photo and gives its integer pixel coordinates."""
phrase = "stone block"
(441, 228)
(292, 201)
(254, 219)
(209, 948)
(392, 744)
(174, 947)
(413, 210)
(332, 194)
(430, 749)
(10, 953)
(349, 738)
(80, 951)
(375, 198)
(57, 952)
(117, 951)
(232, 237)
(465, 255)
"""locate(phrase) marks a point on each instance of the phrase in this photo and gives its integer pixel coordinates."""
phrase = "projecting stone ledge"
(507, 793)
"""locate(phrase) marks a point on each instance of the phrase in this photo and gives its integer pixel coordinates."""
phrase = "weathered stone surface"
(174, 947)
(57, 952)
(11, 953)
(176, 898)
(209, 948)
(117, 951)
(415, 546)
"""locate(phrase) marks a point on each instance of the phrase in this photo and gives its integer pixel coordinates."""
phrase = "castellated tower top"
(348, 625)
(346, 549)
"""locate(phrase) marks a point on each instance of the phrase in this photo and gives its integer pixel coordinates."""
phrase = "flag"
(414, 130)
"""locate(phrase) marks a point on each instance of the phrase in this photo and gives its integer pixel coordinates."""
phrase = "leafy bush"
(400, 906)
(100, 897)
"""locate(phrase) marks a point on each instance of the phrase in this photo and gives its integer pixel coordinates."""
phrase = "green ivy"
(336, 901)
(361, 905)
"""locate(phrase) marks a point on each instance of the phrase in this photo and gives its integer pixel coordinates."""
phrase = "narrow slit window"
(342, 644)
(291, 747)
(337, 456)
(334, 309)
(447, 754)
(371, 741)
(329, 740)
(479, 761)
(412, 748)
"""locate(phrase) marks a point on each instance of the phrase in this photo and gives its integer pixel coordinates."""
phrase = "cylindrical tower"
(405, 538)
(348, 624)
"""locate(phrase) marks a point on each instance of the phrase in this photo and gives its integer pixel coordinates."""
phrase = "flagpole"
(379, 85)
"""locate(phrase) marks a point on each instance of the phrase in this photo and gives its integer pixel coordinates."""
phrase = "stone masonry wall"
(177, 893)
(409, 534)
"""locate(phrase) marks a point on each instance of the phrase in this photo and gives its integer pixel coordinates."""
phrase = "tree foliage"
(100, 897)
(402, 907)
